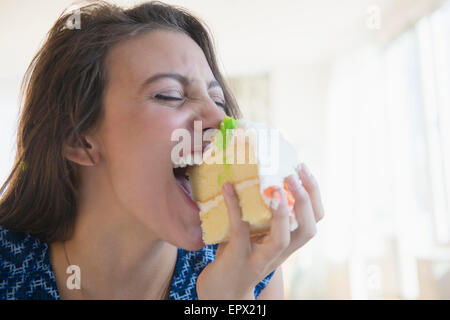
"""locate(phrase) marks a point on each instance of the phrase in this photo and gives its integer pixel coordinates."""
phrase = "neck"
(118, 256)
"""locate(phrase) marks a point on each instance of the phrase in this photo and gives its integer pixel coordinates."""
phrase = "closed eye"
(169, 98)
(220, 104)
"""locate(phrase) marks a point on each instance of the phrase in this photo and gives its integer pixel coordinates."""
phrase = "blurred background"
(362, 88)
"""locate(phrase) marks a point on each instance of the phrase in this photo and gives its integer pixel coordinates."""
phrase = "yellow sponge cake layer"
(214, 214)
(215, 222)
(242, 171)
(207, 179)
(204, 182)
(254, 210)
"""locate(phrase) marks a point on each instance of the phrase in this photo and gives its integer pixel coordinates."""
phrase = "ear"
(83, 150)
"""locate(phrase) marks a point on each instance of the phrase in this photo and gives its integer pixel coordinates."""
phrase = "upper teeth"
(182, 162)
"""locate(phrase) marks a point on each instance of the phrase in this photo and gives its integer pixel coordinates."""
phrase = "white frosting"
(245, 184)
(208, 205)
(275, 156)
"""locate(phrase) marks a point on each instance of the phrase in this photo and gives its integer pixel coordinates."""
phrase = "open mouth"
(183, 180)
(180, 167)
(185, 186)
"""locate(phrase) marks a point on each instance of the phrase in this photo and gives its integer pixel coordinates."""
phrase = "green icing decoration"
(222, 137)
(224, 134)
(225, 175)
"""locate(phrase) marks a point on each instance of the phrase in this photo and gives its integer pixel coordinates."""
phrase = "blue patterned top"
(26, 271)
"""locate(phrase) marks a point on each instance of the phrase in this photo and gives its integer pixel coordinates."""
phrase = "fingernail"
(276, 198)
(228, 189)
(294, 182)
(283, 194)
(306, 170)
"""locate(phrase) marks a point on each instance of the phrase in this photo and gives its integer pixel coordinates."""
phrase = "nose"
(210, 115)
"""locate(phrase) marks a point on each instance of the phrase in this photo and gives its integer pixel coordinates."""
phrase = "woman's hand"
(241, 264)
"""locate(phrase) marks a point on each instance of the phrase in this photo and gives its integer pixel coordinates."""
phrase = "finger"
(311, 185)
(279, 228)
(221, 248)
(279, 237)
(258, 239)
(239, 230)
(303, 212)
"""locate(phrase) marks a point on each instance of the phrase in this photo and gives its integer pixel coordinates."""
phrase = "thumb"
(239, 230)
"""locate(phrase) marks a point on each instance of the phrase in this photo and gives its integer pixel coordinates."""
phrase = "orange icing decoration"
(269, 192)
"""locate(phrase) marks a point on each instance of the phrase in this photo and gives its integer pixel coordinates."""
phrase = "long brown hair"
(62, 94)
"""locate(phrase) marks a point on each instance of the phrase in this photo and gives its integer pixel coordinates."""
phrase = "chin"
(190, 240)
(192, 246)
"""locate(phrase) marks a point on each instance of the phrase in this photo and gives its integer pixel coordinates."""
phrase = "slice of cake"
(255, 159)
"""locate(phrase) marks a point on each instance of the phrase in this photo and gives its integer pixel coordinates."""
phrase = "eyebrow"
(178, 77)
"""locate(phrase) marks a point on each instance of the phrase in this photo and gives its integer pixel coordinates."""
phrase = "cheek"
(137, 147)
(139, 138)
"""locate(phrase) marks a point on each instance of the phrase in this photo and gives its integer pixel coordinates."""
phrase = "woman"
(93, 185)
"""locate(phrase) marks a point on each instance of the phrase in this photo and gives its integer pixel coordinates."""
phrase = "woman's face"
(140, 116)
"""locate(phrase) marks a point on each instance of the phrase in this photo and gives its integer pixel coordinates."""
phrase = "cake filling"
(208, 205)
